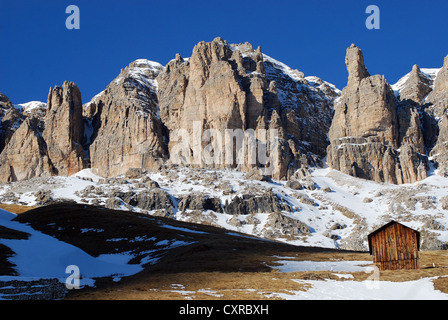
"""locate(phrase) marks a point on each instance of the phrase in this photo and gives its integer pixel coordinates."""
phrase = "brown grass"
(200, 286)
(254, 285)
(15, 208)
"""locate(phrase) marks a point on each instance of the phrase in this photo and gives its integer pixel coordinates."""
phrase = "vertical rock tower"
(367, 138)
(64, 129)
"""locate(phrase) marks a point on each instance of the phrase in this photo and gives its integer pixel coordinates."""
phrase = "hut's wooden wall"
(394, 248)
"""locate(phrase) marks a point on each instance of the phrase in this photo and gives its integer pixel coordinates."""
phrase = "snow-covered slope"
(140, 71)
(431, 73)
(43, 256)
(295, 89)
(135, 85)
(422, 289)
(339, 211)
(28, 107)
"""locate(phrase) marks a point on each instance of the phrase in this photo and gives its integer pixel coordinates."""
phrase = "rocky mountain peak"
(415, 69)
(179, 58)
(414, 86)
(354, 60)
(124, 121)
(138, 78)
(210, 52)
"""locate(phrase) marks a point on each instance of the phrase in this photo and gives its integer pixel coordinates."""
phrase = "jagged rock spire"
(354, 60)
(64, 128)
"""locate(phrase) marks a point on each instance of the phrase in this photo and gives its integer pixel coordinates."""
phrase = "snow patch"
(30, 106)
(337, 266)
(44, 257)
(91, 173)
(422, 289)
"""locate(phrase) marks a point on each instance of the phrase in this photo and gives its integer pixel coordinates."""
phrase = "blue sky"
(38, 51)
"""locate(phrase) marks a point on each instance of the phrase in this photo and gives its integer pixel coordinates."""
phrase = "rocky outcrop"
(366, 108)
(153, 199)
(354, 60)
(64, 129)
(212, 93)
(250, 204)
(278, 226)
(25, 156)
(199, 202)
(410, 126)
(126, 131)
(148, 200)
(9, 123)
(371, 136)
(33, 109)
(5, 103)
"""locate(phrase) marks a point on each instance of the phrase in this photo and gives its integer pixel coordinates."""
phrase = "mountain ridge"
(264, 94)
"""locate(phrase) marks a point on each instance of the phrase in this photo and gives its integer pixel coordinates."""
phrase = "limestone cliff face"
(215, 89)
(206, 89)
(370, 136)
(126, 131)
(64, 129)
(232, 86)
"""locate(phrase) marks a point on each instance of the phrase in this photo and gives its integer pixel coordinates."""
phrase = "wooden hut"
(394, 246)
